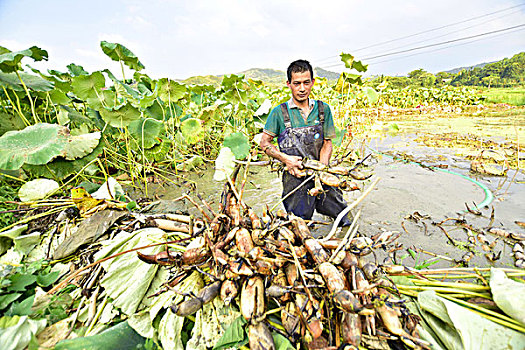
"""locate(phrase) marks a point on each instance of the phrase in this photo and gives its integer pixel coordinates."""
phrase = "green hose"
(489, 197)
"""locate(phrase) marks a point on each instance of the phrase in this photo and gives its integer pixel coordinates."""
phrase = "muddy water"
(404, 189)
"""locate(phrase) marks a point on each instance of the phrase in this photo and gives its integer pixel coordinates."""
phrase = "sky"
(183, 38)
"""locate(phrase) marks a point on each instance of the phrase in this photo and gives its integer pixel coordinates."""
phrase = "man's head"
(300, 80)
(299, 66)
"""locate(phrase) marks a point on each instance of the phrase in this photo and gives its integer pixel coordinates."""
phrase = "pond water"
(405, 188)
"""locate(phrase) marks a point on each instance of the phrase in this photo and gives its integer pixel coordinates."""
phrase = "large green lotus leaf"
(371, 94)
(60, 168)
(105, 98)
(158, 111)
(88, 86)
(120, 336)
(192, 130)
(59, 97)
(36, 144)
(18, 336)
(32, 82)
(121, 116)
(76, 70)
(37, 189)
(124, 89)
(10, 61)
(210, 323)
(170, 91)
(61, 83)
(239, 144)
(159, 152)
(127, 279)
(10, 122)
(508, 294)
(7, 237)
(148, 99)
(118, 52)
(81, 145)
(91, 120)
(145, 80)
(146, 131)
(461, 328)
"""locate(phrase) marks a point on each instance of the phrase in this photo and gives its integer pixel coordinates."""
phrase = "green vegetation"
(509, 72)
(511, 96)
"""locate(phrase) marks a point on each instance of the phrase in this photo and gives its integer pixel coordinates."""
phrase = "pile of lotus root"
(327, 291)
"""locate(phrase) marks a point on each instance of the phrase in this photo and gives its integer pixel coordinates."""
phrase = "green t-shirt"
(275, 123)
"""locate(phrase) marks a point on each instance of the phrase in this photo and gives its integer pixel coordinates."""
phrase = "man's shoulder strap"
(320, 107)
(286, 115)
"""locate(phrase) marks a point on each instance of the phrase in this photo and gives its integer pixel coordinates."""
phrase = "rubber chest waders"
(307, 141)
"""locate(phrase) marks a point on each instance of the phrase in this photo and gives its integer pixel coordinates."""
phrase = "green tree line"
(509, 72)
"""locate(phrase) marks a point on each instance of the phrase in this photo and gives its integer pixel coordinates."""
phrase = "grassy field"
(512, 96)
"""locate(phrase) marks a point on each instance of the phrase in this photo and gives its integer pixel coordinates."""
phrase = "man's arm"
(326, 152)
(293, 163)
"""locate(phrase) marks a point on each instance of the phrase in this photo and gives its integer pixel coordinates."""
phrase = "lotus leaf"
(239, 144)
(146, 131)
(59, 168)
(24, 244)
(345, 80)
(32, 82)
(106, 98)
(210, 324)
(192, 130)
(10, 61)
(10, 122)
(120, 336)
(159, 152)
(37, 189)
(170, 91)
(118, 52)
(7, 237)
(124, 89)
(350, 63)
(36, 144)
(127, 278)
(224, 164)
(81, 145)
(59, 97)
(19, 335)
(234, 336)
(460, 328)
(120, 116)
(88, 86)
(76, 70)
(508, 294)
(371, 94)
(148, 99)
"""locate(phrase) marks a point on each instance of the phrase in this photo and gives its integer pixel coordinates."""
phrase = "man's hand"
(294, 164)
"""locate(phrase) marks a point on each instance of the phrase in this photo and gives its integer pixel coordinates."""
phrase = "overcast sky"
(183, 38)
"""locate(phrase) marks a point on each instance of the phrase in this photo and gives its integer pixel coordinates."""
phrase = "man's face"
(301, 85)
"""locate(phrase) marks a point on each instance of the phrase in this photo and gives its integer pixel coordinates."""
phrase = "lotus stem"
(37, 120)
(445, 290)
(17, 108)
(467, 286)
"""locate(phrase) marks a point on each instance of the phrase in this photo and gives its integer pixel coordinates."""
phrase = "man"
(304, 129)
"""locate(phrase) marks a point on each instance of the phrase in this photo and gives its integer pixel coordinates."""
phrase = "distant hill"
(268, 75)
(457, 70)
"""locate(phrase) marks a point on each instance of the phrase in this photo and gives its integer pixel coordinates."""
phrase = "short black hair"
(299, 66)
